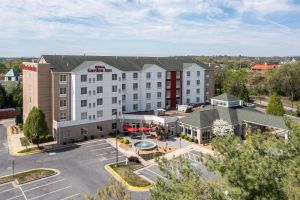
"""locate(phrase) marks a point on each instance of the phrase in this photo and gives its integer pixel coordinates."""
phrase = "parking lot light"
(116, 130)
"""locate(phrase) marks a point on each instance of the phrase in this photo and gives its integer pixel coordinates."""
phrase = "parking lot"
(51, 188)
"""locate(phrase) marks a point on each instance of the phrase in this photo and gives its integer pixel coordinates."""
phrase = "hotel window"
(99, 113)
(148, 95)
(177, 93)
(148, 106)
(84, 115)
(114, 88)
(90, 92)
(159, 75)
(99, 77)
(198, 91)
(93, 105)
(99, 102)
(188, 83)
(94, 92)
(188, 73)
(198, 99)
(93, 80)
(188, 92)
(63, 91)
(198, 73)
(135, 97)
(94, 117)
(135, 86)
(148, 85)
(187, 100)
(135, 106)
(124, 76)
(114, 111)
(114, 77)
(158, 95)
(83, 131)
(158, 85)
(135, 75)
(198, 82)
(123, 86)
(168, 94)
(168, 83)
(99, 89)
(83, 90)
(90, 117)
(83, 103)
(114, 100)
(63, 116)
(114, 126)
(168, 75)
(177, 74)
(177, 84)
(83, 78)
(123, 97)
(99, 128)
(90, 105)
(148, 75)
(90, 80)
(159, 104)
(123, 108)
(63, 103)
(62, 78)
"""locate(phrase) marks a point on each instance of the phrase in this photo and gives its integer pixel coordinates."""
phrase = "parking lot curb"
(119, 178)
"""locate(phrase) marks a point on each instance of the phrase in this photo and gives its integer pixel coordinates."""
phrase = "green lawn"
(126, 172)
(28, 176)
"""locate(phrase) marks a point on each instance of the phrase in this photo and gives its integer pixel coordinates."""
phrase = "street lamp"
(116, 130)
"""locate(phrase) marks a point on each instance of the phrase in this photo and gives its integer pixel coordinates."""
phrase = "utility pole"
(13, 169)
(116, 130)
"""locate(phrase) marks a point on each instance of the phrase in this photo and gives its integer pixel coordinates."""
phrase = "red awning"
(132, 130)
(126, 126)
(144, 129)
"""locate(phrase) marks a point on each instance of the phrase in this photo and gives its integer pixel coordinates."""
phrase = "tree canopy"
(275, 106)
(35, 127)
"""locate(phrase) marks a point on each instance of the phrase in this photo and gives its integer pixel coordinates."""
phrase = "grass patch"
(126, 172)
(28, 176)
(24, 141)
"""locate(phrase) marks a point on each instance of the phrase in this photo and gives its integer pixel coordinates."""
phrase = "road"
(82, 166)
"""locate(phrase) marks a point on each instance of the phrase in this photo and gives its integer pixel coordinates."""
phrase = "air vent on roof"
(67, 64)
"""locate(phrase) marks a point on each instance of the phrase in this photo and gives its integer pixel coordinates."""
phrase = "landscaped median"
(29, 175)
(125, 174)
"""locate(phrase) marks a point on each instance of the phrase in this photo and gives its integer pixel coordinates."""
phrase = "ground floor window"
(206, 135)
(114, 126)
(84, 131)
(63, 116)
(99, 128)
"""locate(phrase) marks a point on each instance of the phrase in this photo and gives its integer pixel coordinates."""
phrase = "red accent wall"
(173, 89)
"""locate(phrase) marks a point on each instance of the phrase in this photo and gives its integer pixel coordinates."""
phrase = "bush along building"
(200, 125)
(90, 96)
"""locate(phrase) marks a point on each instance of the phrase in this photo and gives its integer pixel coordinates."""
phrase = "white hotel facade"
(94, 95)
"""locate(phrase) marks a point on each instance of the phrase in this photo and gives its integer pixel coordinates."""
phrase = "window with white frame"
(158, 104)
(159, 75)
(198, 91)
(188, 92)
(198, 73)
(135, 75)
(148, 75)
(114, 100)
(62, 91)
(99, 128)
(135, 96)
(99, 89)
(123, 76)
(123, 97)
(158, 95)
(188, 73)
(188, 82)
(63, 116)
(114, 126)
(168, 75)
(114, 77)
(99, 77)
(83, 90)
(114, 88)
(159, 85)
(135, 106)
(198, 99)
(168, 84)
(114, 111)
(123, 108)
(198, 82)
(62, 78)
(83, 115)
(62, 103)
(99, 113)
(187, 100)
(83, 103)
(123, 87)
(148, 85)
(135, 86)
(99, 101)
(83, 78)
(148, 95)
(148, 106)
(83, 131)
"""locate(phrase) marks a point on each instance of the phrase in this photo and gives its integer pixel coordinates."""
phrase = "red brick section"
(7, 113)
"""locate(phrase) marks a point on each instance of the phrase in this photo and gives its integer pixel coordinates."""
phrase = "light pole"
(116, 130)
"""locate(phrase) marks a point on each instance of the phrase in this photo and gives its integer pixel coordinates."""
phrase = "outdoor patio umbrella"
(143, 129)
(132, 130)
(126, 126)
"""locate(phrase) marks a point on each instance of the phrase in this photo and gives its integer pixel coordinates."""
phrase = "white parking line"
(51, 192)
(75, 195)
(7, 190)
(112, 158)
(96, 145)
(39, 180)
(89, 142)
(23, 193)
(44, 185)
(156, 173)
(102, 148)
(15, 197)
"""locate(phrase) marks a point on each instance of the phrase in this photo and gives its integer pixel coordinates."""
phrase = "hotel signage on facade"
(99, 68)
(29, 68)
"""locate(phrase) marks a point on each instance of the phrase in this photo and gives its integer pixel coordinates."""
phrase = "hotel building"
(87, 95)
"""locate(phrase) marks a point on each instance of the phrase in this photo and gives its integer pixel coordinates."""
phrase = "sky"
(150, 27)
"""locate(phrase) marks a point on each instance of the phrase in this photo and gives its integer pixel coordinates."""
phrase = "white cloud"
(175, 21)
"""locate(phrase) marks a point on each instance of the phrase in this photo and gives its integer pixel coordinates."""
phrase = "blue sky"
(150, 27)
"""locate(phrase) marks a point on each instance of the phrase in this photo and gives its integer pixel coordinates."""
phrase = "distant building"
(11, 75)
(263, 68)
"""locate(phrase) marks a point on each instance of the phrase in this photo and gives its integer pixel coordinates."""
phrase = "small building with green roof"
(199, 124)
(11, 75)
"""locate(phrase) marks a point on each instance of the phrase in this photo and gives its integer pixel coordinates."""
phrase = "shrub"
(121, 140)
(126, 141)
(134, 159)
(190, 139)
(185, 137)
(182, 136)
(24, 141)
